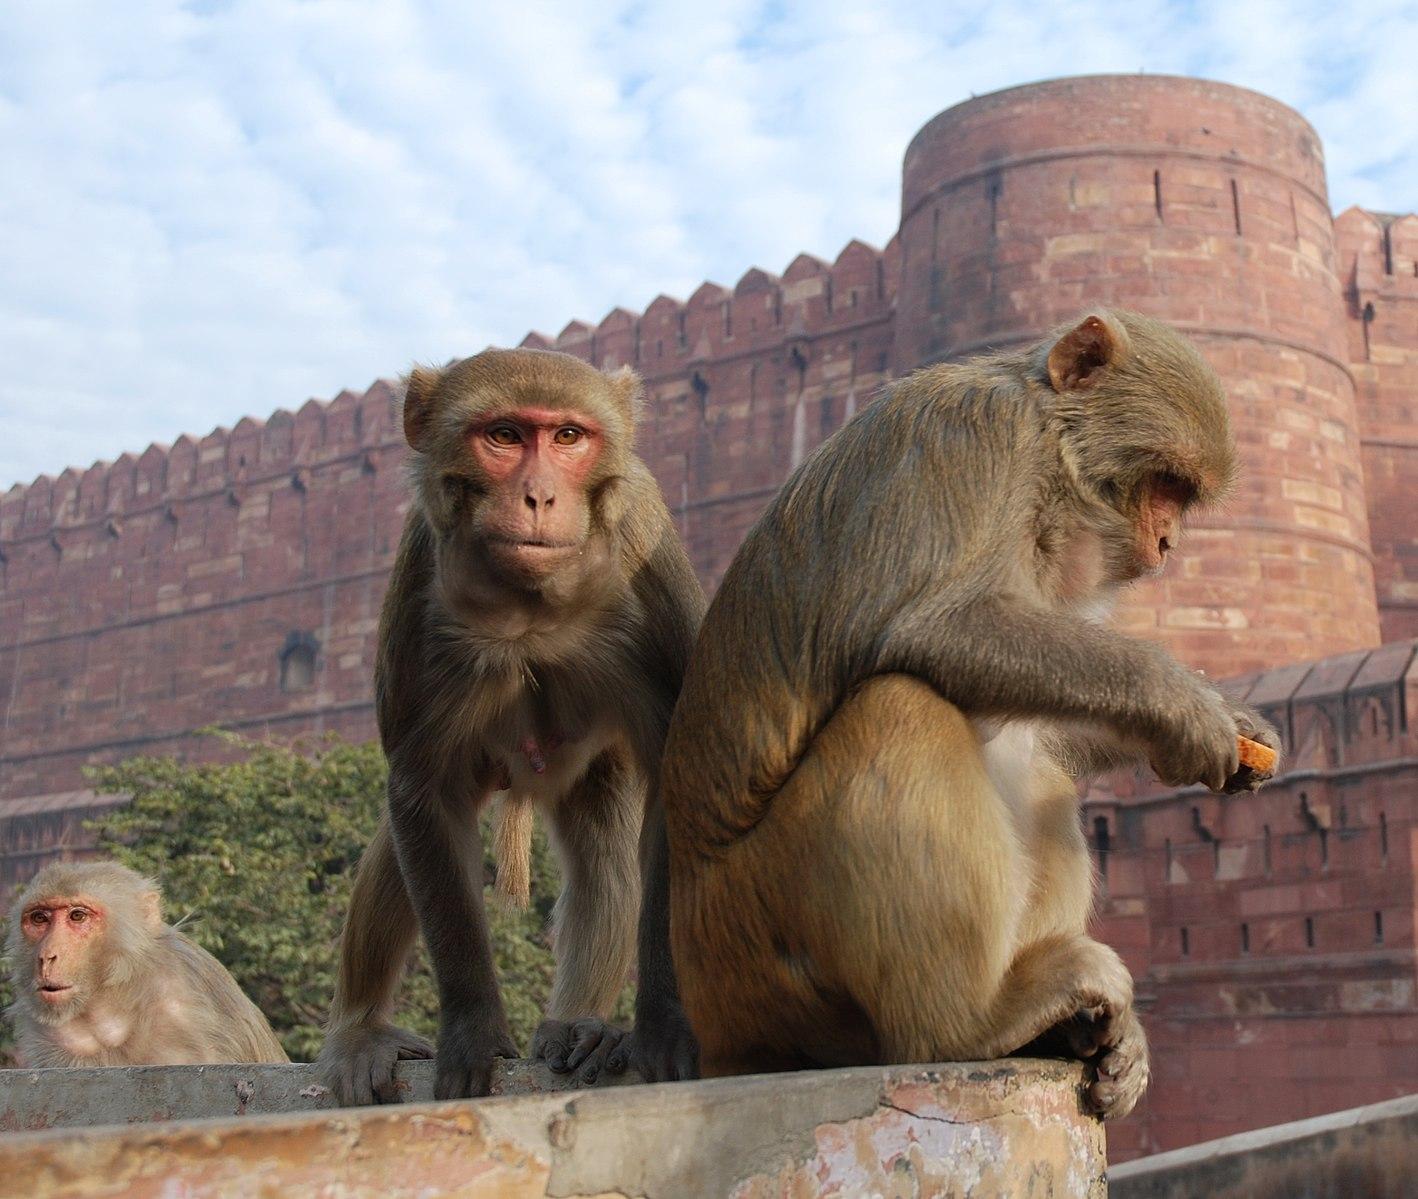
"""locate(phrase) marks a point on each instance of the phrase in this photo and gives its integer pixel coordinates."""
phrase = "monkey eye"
(40, 917)
(77, 915)
(504, 435)
(568, 435)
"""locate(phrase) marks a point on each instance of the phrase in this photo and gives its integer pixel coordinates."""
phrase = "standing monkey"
(100, 980)
(532, 641)
(870, 779)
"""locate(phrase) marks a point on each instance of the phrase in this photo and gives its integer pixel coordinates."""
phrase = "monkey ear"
(419, 387)
(1079, 357)
(151, 903)
(626, 386)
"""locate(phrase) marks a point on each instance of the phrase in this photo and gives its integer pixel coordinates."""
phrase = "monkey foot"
(1114, 1041)
(358, 1064)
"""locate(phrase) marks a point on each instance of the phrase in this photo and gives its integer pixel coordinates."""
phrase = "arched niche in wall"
(299, 658)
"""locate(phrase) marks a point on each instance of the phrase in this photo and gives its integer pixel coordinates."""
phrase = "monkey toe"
(1120, 1083)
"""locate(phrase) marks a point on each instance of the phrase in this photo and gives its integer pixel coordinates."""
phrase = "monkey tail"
(512, 850)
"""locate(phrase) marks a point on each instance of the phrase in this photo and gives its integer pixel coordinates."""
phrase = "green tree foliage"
(256, 857)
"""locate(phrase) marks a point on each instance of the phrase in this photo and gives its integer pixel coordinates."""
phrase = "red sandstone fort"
(236, 578)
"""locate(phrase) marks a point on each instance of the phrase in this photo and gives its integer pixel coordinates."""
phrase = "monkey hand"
(357, 1062)
(1197, 742)
(582, 1047)
(662, 1047)
(1250, 723)
(467, 1043)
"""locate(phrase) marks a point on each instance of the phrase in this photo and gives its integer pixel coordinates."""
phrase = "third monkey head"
(77, 928)
(1144, 429)
(519, 457)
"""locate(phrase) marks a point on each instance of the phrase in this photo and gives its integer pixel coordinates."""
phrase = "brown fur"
(144, 995)
(870, 780)
(482, 654)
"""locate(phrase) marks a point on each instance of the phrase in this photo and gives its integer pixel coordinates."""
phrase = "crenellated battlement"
(1378, 252)
(810, 299)
(224, 459)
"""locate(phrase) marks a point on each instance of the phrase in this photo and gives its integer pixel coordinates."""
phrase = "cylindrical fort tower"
(1204, 205)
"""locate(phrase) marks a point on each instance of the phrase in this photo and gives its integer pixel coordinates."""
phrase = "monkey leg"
(361, 1046)
(596, 832)
(874, 914)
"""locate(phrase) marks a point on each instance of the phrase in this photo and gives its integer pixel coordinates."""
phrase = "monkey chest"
(1010, 752)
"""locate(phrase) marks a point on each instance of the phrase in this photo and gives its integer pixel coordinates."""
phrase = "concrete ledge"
(32, 1100)
(1366, 1151)
(995, 1128)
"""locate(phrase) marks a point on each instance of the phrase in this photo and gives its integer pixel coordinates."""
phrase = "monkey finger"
(594, 1063)
(413, 1047)
(452, 1084)
(552, 1044)
(354, 1089)
(686, 1061)
(619, 1057)
(380, 1079)
(592, 1037)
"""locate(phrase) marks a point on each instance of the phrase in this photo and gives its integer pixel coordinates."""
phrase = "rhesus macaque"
(532, 642)
(870, 779)
(100, 980)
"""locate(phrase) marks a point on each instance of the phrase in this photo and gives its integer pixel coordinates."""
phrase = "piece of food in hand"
(1257, 765)
(1260, 758)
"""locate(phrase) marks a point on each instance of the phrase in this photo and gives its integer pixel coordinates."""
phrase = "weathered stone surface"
(1369, 1152)
(998, 1128)
(31, 1100)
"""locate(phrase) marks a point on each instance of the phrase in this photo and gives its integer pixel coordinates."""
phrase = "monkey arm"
(1086, 750)
(438, 851)
(662, 1046)
(996, 656)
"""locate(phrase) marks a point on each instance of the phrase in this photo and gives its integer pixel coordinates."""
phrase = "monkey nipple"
(536, 759)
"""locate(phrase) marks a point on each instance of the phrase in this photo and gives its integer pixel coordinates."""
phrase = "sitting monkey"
(870, 781)
(100, 980)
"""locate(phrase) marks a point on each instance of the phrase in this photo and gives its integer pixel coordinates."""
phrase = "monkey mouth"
(533, 549)
(54, 992)
(534, 543)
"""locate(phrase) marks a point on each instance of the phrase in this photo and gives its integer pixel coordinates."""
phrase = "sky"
(217, 209)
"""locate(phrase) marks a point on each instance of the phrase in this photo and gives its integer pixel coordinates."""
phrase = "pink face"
(62, 932)
(538, 461)
(1159, 526)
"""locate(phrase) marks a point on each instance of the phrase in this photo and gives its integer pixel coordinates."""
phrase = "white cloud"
(223, 208)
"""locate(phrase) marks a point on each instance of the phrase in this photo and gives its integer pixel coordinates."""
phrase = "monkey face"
(1157, 520)
(517, 450)
(1143, 421)
(63, 935)
(535, 513)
